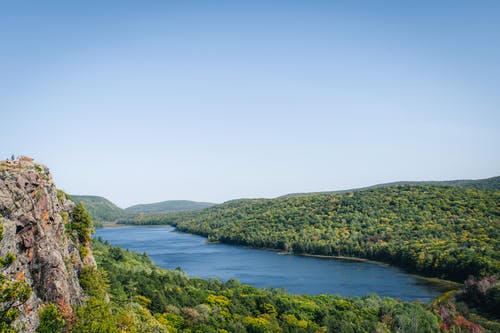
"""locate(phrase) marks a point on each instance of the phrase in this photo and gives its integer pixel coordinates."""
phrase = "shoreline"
(115, 224)
(445, 285)
(346, 258)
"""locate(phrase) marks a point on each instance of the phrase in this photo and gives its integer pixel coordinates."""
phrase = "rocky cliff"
(36, 220)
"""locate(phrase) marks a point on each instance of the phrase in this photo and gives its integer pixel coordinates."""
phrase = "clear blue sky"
(143, 101)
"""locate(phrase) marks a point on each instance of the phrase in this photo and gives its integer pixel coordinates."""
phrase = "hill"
(101, 209)
(448, 232)
(492, 183)
(104, 211)
(169, 206)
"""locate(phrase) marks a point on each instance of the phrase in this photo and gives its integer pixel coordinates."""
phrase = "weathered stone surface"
(34, 232)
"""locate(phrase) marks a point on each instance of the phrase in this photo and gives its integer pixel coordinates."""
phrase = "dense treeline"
(157, 218)
(104, 211)
(440, 231)
(492, 183)
(169, 206)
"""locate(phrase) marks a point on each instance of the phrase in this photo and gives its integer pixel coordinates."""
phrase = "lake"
(261, 268)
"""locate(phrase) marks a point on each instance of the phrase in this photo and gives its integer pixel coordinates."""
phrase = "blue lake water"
(300, 275)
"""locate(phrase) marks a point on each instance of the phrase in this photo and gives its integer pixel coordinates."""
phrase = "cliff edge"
(40, 229)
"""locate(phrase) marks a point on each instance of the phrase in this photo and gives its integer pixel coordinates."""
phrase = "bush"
(81, 223)
(51, 320)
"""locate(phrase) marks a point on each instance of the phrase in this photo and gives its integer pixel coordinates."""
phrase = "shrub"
(51, 320)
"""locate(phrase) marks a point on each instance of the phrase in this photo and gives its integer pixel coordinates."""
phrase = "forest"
(445, 232)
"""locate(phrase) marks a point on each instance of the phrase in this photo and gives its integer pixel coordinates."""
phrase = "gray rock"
(34, 232)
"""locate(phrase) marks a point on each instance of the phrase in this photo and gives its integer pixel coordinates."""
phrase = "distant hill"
(169, 206)
(492, 183)
(101, 209)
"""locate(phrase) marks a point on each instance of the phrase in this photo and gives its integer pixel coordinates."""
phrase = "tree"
(81, 223)
(51, 320)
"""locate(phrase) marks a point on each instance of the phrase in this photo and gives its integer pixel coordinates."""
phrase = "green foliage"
(7, 260)
(51, 320)
(12, 295)
(98, 314)
(65, 218)
(83, 250)
(157, 218)
(438, 231)
(409, 318)
(61, 196)
(95, 316)
(94, 281)
(81, 225)
(492, 183)
(116, 253)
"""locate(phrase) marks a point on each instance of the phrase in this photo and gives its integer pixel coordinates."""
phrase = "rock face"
(33, 216)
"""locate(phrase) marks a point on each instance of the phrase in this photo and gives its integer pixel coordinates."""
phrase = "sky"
(145, 101)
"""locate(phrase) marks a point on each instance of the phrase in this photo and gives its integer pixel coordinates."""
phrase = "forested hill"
(448, 232)
(492, 183)
(169, 206)
(101, 209)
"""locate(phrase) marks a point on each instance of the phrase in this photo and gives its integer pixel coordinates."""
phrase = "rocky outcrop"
(34, 217)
